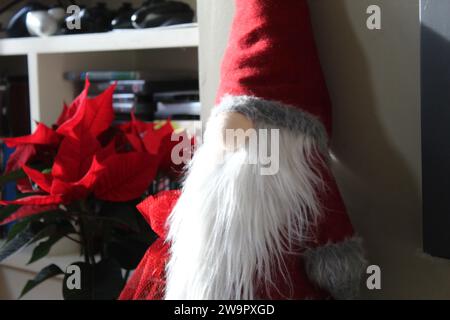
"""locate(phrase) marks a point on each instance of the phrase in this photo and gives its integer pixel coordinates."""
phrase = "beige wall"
(214, 18)
(373, 78)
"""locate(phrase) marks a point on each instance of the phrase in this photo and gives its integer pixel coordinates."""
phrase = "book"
(127, 75)
(105, 75)
(138, 108)
(122, 86)
(177, 96)
(143, 87)
(132, 98)
(178, 110)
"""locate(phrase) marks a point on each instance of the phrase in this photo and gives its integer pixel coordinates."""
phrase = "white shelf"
(166, 37)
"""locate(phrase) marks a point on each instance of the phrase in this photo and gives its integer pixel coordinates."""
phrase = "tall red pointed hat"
(271, 69)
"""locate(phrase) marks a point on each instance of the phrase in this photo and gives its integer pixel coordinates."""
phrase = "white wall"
(373, 77)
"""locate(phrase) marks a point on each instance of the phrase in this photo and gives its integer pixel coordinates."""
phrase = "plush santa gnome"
(237, 231)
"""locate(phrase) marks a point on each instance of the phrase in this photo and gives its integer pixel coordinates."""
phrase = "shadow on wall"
(374, 84)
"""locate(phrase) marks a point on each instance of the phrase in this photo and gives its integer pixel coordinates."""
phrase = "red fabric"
(272, 55)
(335, 224)
(296, 287)
(333, 227)
(156, 210)
(148, 280)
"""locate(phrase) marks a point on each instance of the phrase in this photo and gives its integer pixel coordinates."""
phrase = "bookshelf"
(45, 60)
(183, 36)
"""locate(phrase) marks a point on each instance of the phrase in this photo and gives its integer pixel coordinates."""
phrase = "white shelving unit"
(162, 49)
(45, 60)
(166, 37)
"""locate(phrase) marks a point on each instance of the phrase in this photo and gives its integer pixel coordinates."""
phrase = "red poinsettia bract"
(88, 155)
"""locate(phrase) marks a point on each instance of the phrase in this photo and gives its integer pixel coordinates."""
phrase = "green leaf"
(17, 228)
(42, 229)
(47, 171)
(62, 227)
(45, 274)
(46, 232)
(47, 215)
(43, 248)
(15, 244)
(7, 211)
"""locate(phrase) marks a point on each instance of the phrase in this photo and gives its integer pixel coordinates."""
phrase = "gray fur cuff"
(275, 114)
(337, 268)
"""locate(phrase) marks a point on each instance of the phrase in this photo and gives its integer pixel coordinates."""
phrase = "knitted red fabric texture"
(156, 210)
(148, 280)
(272, 55)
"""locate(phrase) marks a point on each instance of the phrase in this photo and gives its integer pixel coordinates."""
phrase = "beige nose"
(236, 125)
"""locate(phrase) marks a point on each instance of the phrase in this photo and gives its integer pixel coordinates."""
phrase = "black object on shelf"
(92, 20)
(141, 91)
(177, 105)
(17, 26)
(123, 18)
(142, 104)
(158, 13)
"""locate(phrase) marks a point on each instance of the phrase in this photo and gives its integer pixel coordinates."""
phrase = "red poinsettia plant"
(81, 180)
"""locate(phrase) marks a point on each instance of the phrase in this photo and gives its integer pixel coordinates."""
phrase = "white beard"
(232, 226)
